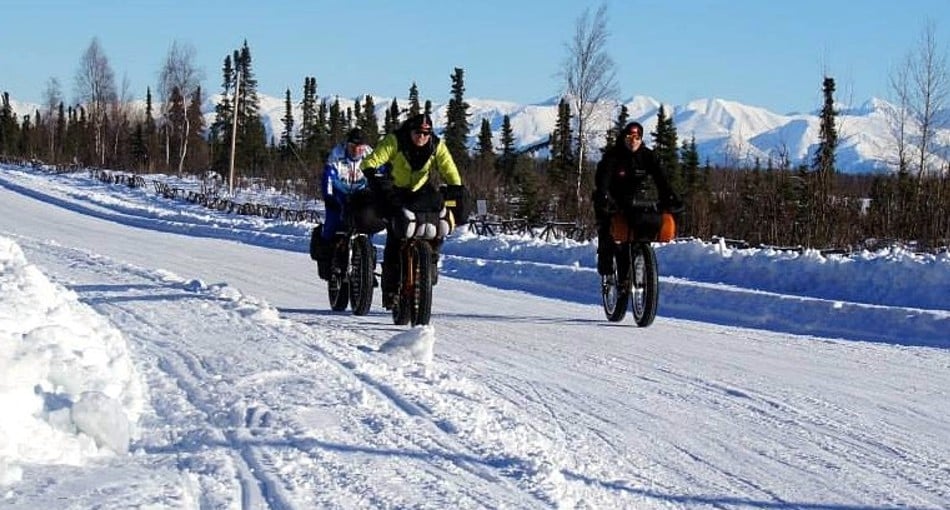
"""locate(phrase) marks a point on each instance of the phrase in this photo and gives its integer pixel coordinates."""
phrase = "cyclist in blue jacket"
(344, 189)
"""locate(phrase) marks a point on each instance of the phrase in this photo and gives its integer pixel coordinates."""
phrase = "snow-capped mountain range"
(726, 132)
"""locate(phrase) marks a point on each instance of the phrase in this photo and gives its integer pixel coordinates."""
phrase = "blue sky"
(764, 53)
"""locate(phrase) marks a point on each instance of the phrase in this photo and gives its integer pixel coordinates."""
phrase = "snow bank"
(68, 388)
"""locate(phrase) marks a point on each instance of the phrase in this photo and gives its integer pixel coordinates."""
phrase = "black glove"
(604, 206)
(673, 204)
(388, 200)
(457, 202)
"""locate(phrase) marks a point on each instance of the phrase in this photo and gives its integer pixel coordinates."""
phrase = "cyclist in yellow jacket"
(400, 174)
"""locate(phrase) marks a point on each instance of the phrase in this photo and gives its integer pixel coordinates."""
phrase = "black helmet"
(355, 136)
(420, 121)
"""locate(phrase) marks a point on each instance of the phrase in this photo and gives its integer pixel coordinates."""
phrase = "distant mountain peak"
(725, 131)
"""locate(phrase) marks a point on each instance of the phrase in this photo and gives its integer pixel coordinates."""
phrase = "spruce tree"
(562, 157)
(149, 134)
(695, 193)
(414, 108)
(370, 125)
(387, 120)
(37, 142)
(689, 157)
(338, 125)
(622, 119)
(824, 160)
(9, 127)
(321, 137)
(485, 151)
(24, 147)
(197, 157)
(666, 147)
(223, 115)
(532, 204)
(393, 121)
(70, 136)
(60, 133)
(507, 164)
(357, 113)
(824, 168)
(251, 137)
(286, 136)
(137, 147)
(482, 180)
(457, 127)
(506, 161)
(308, 116)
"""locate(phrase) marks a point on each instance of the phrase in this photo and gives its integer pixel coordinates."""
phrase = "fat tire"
(615, 297)
(422, 295)
(402, 303)
(338, 287)
(646, 285)
(361, 275)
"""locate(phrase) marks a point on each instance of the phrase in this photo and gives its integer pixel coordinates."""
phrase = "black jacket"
(622, 175)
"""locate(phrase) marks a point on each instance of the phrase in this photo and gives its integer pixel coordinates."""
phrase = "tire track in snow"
(185, 370)
(441, 433)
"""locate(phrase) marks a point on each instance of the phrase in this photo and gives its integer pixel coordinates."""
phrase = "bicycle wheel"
(402, 306)
(361, 275)
(338, 287)
(422, 295)
(646, 286)
(615, 292)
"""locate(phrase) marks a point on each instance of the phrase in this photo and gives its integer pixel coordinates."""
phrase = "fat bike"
(635, 275)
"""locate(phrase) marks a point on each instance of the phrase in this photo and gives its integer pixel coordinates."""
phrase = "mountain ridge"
(727, 132)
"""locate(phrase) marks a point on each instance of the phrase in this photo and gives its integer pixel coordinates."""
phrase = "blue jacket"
(342, 175)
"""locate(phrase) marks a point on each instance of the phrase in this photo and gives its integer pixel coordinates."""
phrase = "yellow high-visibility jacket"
(387, 151)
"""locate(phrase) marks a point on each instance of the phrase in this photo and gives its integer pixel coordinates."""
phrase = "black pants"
(605, 249)
(391, 262)
(643, 225)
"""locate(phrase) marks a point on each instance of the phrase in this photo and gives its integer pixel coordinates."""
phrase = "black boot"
(375, 279)
(390, 278)
(605, 255)
(323, 252)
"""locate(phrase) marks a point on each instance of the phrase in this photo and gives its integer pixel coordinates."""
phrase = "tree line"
(770, 203)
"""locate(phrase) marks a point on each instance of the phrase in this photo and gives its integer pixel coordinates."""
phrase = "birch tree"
(590, 80)
(178, 72)
(920, 86)
(95, 88)
(52, 99)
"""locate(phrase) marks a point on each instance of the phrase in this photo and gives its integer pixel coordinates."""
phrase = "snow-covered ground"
(155, 354)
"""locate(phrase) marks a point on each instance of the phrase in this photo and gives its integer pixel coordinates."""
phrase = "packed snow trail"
(262, 398)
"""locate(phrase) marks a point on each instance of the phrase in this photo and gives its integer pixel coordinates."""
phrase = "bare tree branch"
(930, 86)
(590, 78)
(95, 88)
(179, 73)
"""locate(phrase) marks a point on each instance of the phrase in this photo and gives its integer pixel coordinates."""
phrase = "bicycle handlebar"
(654, 206)
(643, 204)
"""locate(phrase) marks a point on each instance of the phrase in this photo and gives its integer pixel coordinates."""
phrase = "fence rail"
(481, 225)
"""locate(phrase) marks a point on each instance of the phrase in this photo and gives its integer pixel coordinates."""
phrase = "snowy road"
(262, 398)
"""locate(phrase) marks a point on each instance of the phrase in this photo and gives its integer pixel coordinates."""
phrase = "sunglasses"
(421, 132)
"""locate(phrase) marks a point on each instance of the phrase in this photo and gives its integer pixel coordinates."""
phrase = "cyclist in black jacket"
(622, 176)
